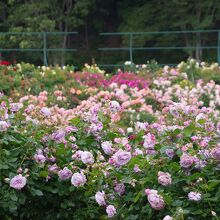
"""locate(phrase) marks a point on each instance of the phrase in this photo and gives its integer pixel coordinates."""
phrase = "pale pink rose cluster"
(156, 201)
(100, 199)
(87, 157)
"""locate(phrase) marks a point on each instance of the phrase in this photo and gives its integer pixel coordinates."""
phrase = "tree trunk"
(198, 54)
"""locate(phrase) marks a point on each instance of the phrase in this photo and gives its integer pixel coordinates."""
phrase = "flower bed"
(121, 152)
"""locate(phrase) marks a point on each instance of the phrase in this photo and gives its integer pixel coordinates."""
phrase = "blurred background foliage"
(89, 17)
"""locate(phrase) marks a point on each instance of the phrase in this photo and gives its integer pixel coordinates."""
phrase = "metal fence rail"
(130, 48)
(44, 49)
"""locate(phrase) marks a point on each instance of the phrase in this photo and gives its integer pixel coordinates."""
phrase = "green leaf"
(14, 197)
(212, 184)
(37, 192)
(43, 173)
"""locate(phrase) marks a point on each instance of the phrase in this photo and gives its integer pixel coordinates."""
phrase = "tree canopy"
(89, 17)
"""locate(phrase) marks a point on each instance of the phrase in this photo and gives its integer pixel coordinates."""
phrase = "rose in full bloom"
(100, 198)
(111, 211)
(107, 147)
(156, 201)
(121, 157)
(78, 179)
(194, 196)
(186, 161)
(164, 178)
(18, 182)
(65, 173)
(87, 157)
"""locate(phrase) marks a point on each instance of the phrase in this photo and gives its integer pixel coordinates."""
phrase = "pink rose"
(121, 157)
(87, 157)
(186, 161)
(194, 196)
(107, 147)
(100, 198)
(65, 173)
(78, 179)
(149, 141)
(216, 153)
(18, 182)
(45, 111)
(164, 178)
(39, 158)
(111, 211)
(156, 201)
(120, 188)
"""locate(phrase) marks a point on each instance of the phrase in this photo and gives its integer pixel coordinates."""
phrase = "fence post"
(218, 52)
(130, 47)
(45, 49)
